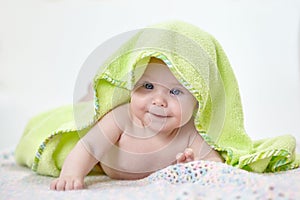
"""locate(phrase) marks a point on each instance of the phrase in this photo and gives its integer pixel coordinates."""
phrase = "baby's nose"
(159, 100)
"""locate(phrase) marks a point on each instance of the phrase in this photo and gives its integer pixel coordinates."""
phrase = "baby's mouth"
(158, 112)
(158, 115)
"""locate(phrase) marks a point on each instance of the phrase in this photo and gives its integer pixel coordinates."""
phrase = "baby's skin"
(155, 130)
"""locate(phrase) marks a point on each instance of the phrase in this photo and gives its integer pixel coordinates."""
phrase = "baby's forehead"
(160, 74)
(156, 79)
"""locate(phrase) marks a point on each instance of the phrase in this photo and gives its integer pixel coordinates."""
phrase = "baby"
(155, 130)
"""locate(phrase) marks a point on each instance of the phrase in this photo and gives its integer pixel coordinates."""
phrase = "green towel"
(198, 61)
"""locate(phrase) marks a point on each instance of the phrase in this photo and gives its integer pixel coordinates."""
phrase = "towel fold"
(199, 63)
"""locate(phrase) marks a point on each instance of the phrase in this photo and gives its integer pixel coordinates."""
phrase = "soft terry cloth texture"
(199, 63)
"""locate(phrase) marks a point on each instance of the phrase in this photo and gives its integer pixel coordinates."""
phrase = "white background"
(43, 44)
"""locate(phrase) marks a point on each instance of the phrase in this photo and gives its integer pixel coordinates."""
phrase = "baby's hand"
(186, 156)
(67, 183)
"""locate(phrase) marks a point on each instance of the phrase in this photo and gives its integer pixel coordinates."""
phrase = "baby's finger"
(180, 157)
(60, 185)
(78, 185)
(189, 154)
(69, 185)
(53, 184)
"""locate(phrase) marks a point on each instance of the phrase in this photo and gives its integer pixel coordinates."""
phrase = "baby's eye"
(175, 92)
(148, 86)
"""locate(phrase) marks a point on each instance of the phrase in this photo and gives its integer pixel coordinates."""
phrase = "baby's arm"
(76, 166)
(80, 160)
(198, 150)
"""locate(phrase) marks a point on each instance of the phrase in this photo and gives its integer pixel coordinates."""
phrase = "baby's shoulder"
(121, 108)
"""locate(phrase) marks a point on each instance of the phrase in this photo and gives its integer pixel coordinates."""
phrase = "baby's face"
(159, 101)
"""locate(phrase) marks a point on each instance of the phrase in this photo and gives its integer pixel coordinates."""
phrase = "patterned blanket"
(195, 180)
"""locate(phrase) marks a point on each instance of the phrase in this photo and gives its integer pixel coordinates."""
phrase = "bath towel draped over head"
(199, 63)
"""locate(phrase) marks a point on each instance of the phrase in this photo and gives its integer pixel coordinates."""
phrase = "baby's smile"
(158, 112)
(159, 115)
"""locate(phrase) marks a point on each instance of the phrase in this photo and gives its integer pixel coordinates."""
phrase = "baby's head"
(159, 100)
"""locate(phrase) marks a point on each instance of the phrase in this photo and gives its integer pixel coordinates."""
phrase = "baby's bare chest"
(152, 145)
(136, 155)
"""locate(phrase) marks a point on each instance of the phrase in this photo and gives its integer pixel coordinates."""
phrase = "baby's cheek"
(186, 115)
(180, 116)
